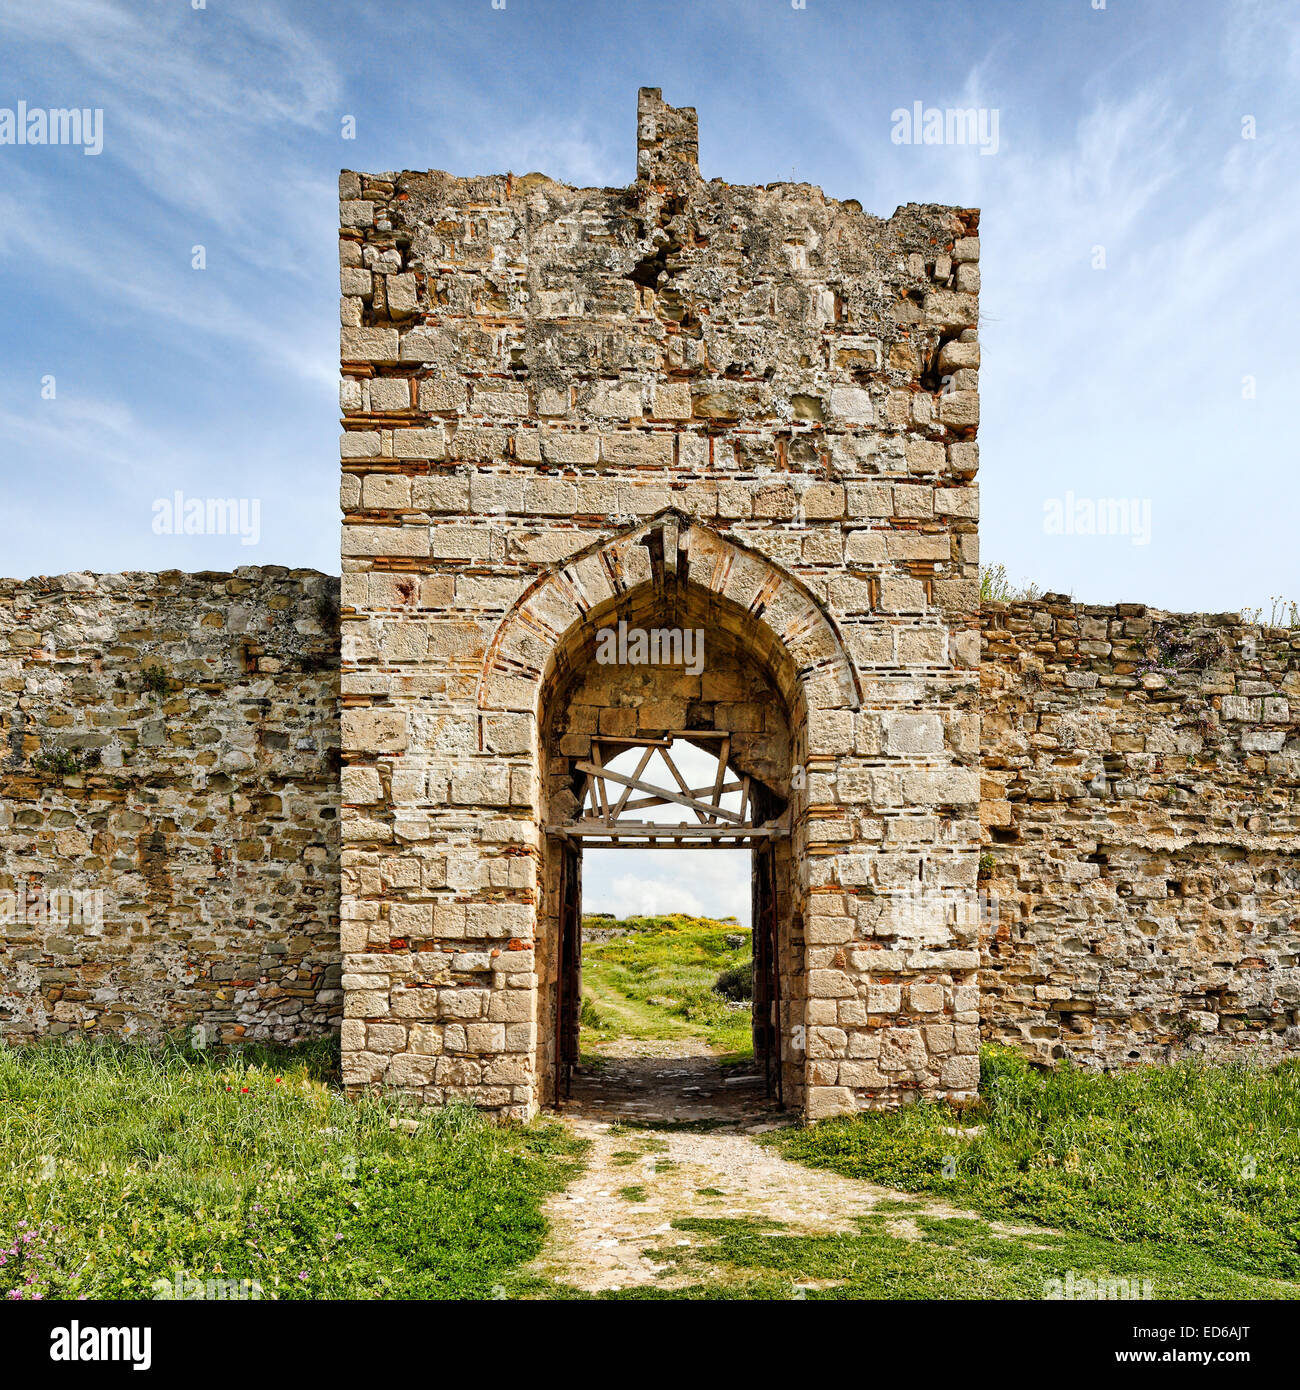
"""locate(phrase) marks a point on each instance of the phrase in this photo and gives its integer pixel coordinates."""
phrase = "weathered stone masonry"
(782, 389)
(750, 410)
(169, 741)
(1141, 803)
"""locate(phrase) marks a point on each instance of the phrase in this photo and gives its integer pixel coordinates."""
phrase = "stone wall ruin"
(1140, 879)
(1141, 805)
(750, 410)
(169, 806)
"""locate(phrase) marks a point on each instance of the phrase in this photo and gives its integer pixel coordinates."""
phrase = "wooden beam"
(681, 827)
(715, 812)
(635, 782)
(597, 834)
(721, 777)
(681, 782)
(741, 842)
(599, 798)
(640, 803)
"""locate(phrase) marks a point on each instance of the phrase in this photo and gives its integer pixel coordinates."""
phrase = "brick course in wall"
(170, 742)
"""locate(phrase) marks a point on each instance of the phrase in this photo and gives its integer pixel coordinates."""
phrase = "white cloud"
(177, 83)
(205, 118)
(640, 883)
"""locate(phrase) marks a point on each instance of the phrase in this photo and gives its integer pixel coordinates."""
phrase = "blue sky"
(1160, 378)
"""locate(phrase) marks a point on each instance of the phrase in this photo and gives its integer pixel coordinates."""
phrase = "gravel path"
(611, 1228)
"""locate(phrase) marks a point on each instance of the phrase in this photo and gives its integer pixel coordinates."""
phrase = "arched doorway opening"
(679, 792)
(671, 720)
(772, 671)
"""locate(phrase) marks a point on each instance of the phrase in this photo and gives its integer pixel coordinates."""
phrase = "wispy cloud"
(1118, 129)
(101, 266)
(1129, 276)
(180, 83)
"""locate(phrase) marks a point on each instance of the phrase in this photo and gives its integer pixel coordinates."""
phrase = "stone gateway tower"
(731, 429)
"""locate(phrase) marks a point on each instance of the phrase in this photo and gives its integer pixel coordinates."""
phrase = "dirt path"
(612, 1228)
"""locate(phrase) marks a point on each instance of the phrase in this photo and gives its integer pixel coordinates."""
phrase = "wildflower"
(302, 1274)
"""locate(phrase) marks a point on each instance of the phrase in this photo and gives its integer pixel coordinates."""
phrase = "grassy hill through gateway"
(658, 977)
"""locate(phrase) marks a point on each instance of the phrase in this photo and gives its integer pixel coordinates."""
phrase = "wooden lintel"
(636, 834)
(671, 844)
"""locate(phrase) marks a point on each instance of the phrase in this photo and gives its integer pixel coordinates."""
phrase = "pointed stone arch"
(670, 549)
(777, 689)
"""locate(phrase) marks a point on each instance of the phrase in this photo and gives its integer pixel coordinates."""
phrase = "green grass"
(996, 586)
(1197, 1164)
(657, 982)
(125, 1166)
(949, 1258)
(1159, 1183)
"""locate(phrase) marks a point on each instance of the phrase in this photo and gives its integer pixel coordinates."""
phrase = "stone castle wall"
(1141, 803)
(169, 805)
(751, 409)
(1141, 810)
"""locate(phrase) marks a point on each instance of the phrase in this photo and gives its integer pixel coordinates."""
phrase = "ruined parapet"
(667, 141)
